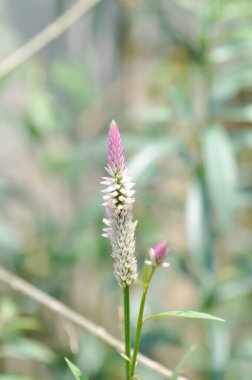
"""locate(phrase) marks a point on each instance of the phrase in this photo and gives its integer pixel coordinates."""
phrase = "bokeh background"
(177, 77)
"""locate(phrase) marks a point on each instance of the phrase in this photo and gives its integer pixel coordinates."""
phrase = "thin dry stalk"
(46, 36)
(59, 308)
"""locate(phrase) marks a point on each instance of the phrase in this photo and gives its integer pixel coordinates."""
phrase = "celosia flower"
(118, 201)
(158, 254)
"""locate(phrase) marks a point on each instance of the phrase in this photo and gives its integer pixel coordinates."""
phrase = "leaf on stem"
(184, 314)
(75, 370)
(145, 273)
(125, 357)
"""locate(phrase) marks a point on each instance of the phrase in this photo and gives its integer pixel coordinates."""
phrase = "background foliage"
(177, 77)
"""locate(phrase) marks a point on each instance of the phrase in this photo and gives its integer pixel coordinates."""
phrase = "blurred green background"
(177, 77)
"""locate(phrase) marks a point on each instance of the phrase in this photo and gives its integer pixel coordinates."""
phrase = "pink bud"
(159, 252)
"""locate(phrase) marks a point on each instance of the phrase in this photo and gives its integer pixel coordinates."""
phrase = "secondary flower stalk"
(157, 256)
(120, 230)
(118, 200)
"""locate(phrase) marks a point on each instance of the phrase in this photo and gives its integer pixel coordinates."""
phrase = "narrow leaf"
(142, 162)
(219, 345)
(181, 363)
(24, 348)
(75, 370)
(145, 273)
(184, 314)
(198, 228)
(221, 174)
(125, 357)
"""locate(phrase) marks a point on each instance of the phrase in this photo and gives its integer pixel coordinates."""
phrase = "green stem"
(140, 322)
(127, 330)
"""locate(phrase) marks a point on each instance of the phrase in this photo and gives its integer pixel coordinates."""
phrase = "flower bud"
(158, 253)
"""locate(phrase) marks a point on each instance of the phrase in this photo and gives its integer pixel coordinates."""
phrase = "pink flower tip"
(159, 252)
(116, 159)
(113, 128)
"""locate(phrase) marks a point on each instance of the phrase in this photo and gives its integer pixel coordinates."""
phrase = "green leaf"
(125, 357)
(235, 288)
(184, 314)
(243, 139)
(25, 323)
(198, 229)
(75, 370)
(27, 349)
(151, 154)
(232, 50)
(218, 341)
(221, 174)
(230, 84)
(237, 114)
(8, 310)
(181, 363)
(41, 118)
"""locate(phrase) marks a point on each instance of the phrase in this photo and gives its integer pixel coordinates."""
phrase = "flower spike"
(118, 201)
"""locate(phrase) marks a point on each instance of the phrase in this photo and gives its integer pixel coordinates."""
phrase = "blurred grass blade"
(235, 288)
(184, 314)
(230, 84)
(221, 174)
(233, 50)
(151, 153)
(243, 139)
(198, 228)
(24, 348)
(218, 340)
(237, 114)
(25, 323)
(75, 370)
(244, 349)
(181, 363)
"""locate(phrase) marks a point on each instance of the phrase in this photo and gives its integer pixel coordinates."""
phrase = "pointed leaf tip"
(184, 314)
(75, 370)
(125, 357)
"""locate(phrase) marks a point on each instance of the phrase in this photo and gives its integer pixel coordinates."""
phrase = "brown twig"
(46, 36)
(59, 308)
